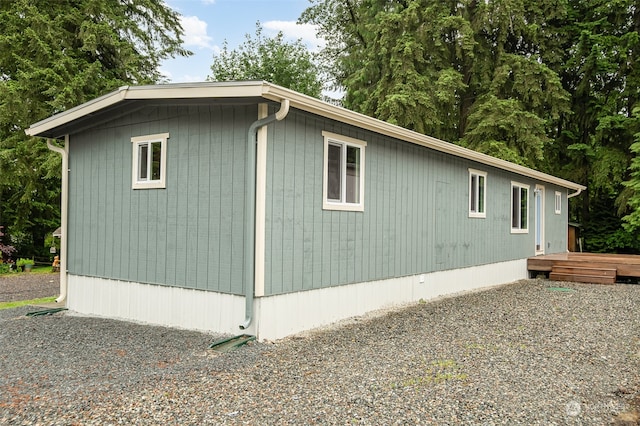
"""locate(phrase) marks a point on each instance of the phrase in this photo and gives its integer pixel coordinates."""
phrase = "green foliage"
(604, 232)
(592, 142)
(608, 169)
(55, 55)
(505, 129)
(24, 262)
(288, 64)
(437, 67)
(632, 219)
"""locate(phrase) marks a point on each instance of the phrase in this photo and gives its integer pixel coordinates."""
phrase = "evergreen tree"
(468, 71)
(55, 55)
(632, 195)
(592, 142)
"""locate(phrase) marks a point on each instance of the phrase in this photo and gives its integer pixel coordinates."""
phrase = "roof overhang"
(47, 127)
(261, 89)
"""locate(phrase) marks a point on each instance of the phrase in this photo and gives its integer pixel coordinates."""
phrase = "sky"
(208, 23)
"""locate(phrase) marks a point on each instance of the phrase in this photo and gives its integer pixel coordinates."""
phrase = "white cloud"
(295, 31)
(195, 32)
(181, 77)
(188, 78)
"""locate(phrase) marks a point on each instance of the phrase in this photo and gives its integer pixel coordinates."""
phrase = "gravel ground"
(523, 353)
(28, 286)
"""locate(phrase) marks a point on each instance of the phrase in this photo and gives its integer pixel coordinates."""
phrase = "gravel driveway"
(525, 353)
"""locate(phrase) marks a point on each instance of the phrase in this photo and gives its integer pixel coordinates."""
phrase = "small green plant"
(5, 268)
(24, 262)
(438, 371)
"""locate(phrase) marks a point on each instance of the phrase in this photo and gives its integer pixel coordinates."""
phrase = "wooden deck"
(586, 267)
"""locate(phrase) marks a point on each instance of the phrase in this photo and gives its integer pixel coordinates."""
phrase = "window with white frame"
(343, 178)
(558, 202)
(149, 161)
(519, 208)
(477, 193)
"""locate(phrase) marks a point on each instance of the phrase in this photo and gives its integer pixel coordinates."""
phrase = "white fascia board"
(162, 91)
(240, 89)
(343, 115)
(77, 112)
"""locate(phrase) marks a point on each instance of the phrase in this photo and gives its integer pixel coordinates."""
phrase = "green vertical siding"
(189, 234)
(415, 218)
(556, 225)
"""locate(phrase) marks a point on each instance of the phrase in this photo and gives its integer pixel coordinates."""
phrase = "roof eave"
(297, 100)
(324, 109)
(168, 91)
(75, 113)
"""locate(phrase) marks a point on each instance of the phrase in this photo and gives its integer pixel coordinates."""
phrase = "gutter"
(332, 112)
(575, 194)
(64, 152)
(250, 208)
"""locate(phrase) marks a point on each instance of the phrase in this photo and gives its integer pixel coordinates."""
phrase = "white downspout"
(64, 152)
(250, 208)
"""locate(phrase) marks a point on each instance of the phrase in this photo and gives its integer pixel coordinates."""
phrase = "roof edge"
(158, 91)
(77, 112)
(307, 103)
(266, 90)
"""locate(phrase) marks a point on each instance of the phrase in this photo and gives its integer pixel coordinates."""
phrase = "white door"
(539, 203)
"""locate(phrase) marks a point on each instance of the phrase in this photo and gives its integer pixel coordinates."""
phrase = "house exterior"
(221, 206)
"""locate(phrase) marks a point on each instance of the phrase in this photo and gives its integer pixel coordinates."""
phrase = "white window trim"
(342, 140)
(151, 184)
(558, 204)
(472, 213)
(519, 230)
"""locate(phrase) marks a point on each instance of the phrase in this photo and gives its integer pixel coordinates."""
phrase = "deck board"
(627, 265)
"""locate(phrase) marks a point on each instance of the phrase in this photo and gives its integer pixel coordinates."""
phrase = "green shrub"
(23, 262)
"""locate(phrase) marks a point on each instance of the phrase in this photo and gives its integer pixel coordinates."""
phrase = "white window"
(149, 161)
(477, 193)
(519, 208)
(343, 180)
(558, 202)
